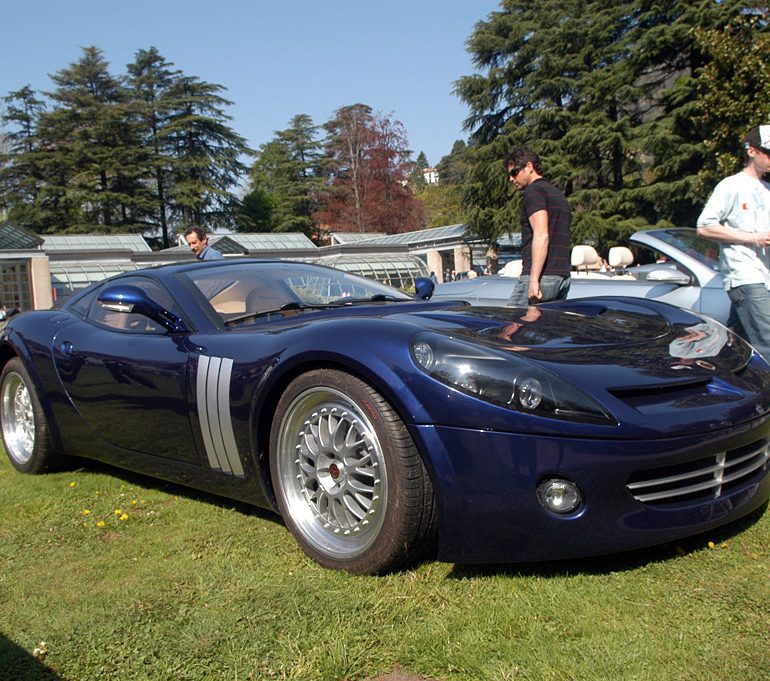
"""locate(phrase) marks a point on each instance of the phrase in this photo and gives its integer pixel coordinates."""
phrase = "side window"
(128, 321)
(82, 304)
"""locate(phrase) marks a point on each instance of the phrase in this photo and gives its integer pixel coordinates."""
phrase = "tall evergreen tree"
(603, 91)
(420, 164)
(149, 83)
(288, 169)
(732, 90)
(91, 153)
(20, 173)
(454, 167)
(142, 152)
(207, 154)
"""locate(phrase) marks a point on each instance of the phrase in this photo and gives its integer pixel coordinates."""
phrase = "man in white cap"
(737, 216)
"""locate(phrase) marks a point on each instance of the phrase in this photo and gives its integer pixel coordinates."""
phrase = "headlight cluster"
(504, 379)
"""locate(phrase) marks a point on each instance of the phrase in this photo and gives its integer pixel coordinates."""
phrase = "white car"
(674, 265)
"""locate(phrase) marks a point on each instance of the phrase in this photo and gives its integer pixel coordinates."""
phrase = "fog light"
(558, 495)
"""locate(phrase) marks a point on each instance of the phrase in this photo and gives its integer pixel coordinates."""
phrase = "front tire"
(349, 482)
(24, 426)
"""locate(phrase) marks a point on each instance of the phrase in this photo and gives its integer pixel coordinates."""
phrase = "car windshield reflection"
(252, 290)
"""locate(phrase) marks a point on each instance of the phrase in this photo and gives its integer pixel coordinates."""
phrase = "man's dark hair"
(198, 231)
(520, 156)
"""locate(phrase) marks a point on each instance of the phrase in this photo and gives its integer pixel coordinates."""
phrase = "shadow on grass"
(177, 489)
(17, 663)
(599, 565)
(621, 562)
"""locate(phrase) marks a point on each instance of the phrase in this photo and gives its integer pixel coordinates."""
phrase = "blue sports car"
(386, 428)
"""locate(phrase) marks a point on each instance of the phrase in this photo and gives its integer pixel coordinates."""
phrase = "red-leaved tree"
(367, 170)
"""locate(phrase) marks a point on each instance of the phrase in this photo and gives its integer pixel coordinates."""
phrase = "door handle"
(67, 349)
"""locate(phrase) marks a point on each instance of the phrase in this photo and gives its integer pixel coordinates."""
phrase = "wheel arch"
(278, 384)
(10, 351)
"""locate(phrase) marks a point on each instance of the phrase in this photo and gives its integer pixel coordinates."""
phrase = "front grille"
(703, 479)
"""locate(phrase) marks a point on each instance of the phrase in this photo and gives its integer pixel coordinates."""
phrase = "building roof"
(133, 243)
(240, 243)
(419, 237)
(353, 237)
(272, 241)
(15, 238)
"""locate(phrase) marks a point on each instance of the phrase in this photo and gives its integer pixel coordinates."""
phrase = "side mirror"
(131, 299)
(669, 275)
(423, 288)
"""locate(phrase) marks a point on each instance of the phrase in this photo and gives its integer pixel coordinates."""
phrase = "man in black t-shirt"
(545, 222)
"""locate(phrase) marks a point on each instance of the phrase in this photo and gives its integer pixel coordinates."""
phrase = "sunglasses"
(513, 172)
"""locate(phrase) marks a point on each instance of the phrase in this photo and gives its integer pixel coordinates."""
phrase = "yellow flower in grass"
(711, 544)
(41, 650)
(124, 517)
(118, 511)
(85, 511)
(72, 484)
(100, 523)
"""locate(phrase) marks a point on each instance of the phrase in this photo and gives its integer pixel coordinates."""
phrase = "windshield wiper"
(376, 298)
(286, 307)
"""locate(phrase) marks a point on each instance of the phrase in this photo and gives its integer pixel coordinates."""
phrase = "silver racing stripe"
(213, 397)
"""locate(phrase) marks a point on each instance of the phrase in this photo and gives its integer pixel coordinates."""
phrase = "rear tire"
(349, 481)
(24, 426)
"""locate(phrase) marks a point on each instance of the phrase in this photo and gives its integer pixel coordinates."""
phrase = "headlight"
(503, 379)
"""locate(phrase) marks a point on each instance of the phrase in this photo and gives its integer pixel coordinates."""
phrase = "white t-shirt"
(741, 202)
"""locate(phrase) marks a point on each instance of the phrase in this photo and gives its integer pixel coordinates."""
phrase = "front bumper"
(486, 483)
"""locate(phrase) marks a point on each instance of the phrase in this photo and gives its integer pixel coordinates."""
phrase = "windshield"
(687, 241)
(252, 289)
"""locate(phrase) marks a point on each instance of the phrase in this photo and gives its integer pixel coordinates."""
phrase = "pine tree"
(288, 169)
(20, 173)
(206, 153)
(142, 152)
(604, 92)
(91, 154)
(149, 83)
(732, 91)
(421, 163)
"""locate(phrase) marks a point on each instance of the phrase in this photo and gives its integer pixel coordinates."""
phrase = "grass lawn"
(113, 576)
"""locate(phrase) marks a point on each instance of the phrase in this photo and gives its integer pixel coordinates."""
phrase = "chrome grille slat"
(675, 478)
(716, 471)
(746, 471)
(678, 492)
(740, 460)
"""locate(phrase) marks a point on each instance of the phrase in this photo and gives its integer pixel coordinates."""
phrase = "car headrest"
(584, 256)
(620, 256)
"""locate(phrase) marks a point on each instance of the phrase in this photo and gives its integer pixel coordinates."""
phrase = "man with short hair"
(546, 218)
(199, 244)
(737, 216)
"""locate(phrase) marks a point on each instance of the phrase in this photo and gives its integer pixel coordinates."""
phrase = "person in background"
(737, 217)
(199, 244)
(545, 218)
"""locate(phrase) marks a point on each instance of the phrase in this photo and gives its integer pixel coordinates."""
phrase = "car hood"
(641, 341)
(657, 368)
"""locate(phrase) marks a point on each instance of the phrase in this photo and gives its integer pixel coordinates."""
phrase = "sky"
(277, 58)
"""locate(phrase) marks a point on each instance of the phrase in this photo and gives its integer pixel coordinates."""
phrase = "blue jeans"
(750, 315)
(551, 286)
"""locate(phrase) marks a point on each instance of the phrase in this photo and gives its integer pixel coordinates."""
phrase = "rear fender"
(12, 345)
